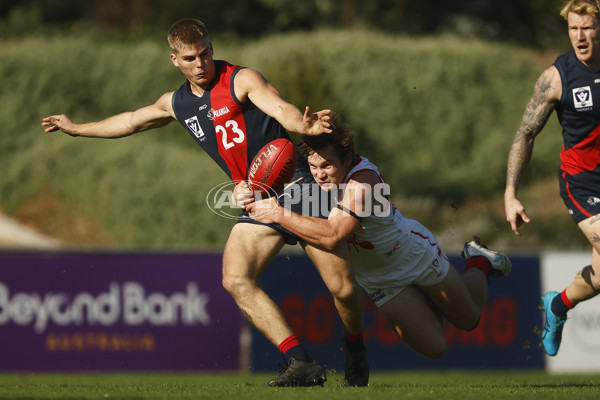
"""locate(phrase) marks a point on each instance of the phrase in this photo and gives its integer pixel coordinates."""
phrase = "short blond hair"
(582, 7)
(186, 32)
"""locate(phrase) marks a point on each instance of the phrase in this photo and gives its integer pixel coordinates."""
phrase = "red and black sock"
(481, 263)
(292, 348)
(354, 343)
(561, 304)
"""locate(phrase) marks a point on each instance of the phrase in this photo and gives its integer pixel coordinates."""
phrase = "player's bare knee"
(228, 283)
(235, 284)
(343, 289)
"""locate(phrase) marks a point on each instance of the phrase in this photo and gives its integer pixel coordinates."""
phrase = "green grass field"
(384, 385)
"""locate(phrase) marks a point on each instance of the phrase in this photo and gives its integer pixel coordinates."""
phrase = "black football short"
(580, 193)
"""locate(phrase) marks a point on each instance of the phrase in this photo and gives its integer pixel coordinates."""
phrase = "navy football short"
(581, 194)
(303, 196)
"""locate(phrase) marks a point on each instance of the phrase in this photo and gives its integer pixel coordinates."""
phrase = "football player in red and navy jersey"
(232, 112)
(571, 86)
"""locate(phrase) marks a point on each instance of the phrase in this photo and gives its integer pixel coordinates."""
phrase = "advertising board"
(116, 311)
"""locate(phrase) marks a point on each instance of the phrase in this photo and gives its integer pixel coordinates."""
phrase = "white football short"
(427, 266)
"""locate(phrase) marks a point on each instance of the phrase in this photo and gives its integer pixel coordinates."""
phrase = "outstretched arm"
(249, 84)
(120, 125)
(323, 233)
(358, 200)
(546, 94)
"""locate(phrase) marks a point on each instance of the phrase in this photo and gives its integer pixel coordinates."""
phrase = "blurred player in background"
(397, 261)
(570, 86)
(232, 112)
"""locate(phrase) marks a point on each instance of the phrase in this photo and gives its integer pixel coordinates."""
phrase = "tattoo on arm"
(538, 110)
(534, 119)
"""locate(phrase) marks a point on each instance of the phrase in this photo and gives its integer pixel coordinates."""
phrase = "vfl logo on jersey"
(582, 98)
(194, 126)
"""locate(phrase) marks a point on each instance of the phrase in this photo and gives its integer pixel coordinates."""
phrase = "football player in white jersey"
(396, 260)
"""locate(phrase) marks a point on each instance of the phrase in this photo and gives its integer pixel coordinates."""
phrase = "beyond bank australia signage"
(116, 311)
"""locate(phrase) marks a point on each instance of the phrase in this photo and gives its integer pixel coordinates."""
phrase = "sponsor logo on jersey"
(376, 296)
(220, 112)
(436, 265)
(582, 98)
(593, 201)
(393, 250)
(194, 126)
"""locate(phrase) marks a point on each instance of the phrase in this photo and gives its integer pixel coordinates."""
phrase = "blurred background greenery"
(434, 90)
(523, 22)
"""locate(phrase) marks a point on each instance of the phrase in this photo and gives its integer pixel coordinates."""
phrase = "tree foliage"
(525, 22)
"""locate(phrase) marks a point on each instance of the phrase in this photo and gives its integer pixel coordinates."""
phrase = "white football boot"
(501, 265)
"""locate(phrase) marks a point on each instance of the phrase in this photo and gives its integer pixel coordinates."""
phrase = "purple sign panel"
(107, 311)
